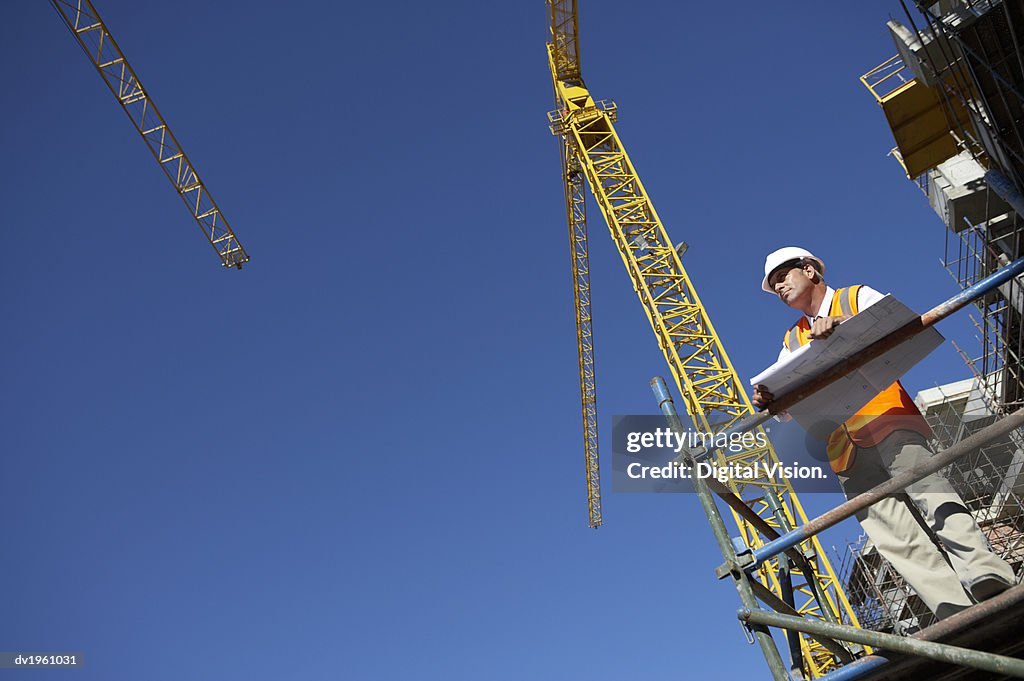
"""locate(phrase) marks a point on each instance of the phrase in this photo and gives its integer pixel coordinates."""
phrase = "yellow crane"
(710, 387)
(92, 35)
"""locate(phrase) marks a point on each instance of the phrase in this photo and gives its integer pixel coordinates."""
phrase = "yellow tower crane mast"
(94, 37)
(710, 387)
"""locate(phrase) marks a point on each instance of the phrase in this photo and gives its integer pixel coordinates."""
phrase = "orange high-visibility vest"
(865, 428)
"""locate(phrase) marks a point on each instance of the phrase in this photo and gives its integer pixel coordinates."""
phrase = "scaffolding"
(954, 98)
(975, 643)
(971, 254)
(879, 595)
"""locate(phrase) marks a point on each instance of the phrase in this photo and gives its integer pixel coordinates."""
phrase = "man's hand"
(824, 326)
(762, 398)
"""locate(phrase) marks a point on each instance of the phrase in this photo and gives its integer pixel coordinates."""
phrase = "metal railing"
(887, 77)
(741, 565)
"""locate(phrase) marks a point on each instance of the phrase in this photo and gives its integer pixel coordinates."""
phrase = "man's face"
(793, 283)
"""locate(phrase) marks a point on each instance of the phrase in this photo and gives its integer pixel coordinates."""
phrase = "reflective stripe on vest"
(847, 301)
(865, 428)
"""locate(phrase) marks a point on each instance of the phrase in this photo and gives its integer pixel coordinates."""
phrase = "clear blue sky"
(360, 457)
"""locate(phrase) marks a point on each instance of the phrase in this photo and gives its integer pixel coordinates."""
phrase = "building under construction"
(954, 98)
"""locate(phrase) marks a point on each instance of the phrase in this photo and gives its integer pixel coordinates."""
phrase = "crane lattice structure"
(92, 34)
(712, 391)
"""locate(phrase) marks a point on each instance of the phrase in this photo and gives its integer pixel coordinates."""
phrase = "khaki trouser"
(898, 535)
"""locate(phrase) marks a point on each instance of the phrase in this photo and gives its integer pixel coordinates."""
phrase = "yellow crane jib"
(84, 22)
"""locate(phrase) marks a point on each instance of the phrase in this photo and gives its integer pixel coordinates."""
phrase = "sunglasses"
(780, 272)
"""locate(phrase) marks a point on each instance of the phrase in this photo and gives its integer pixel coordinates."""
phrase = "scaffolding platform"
(993, 626)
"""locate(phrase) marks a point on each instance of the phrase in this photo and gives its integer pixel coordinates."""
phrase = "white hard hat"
(781, 257)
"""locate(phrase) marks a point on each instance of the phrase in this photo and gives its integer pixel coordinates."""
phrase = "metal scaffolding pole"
(771, 653)
(941, 652)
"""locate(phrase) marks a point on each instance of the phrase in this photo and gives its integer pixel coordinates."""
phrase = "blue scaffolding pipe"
(857, 669)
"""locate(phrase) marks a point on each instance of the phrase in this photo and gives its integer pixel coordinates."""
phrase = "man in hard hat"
(883, 439)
